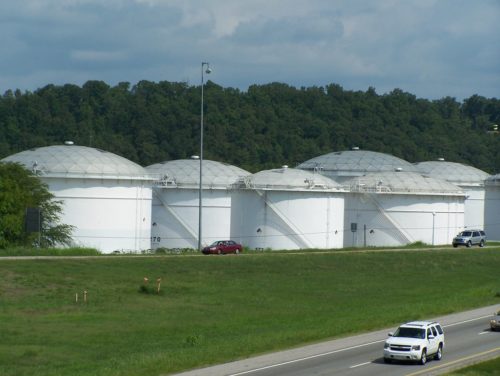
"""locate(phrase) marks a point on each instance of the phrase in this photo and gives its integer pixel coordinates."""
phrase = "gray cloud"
(427, 47)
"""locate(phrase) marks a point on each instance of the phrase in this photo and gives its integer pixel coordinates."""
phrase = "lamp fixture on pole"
(205, 68)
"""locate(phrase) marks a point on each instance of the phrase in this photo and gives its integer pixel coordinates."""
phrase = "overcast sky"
(430, 48)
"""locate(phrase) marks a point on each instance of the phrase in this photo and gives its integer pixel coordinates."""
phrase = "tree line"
(263, 127)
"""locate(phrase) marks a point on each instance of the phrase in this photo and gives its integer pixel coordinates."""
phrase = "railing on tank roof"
(165, 181)
(361, 186)
(379, 187)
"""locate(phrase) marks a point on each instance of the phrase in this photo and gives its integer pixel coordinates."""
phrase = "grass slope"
(218, 308)
(488, 368)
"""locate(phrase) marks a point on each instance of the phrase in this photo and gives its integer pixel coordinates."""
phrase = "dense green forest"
(264, 127)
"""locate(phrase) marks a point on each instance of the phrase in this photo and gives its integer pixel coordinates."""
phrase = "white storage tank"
(469, 178)
(492, 208)
(344, 165)
(288, 209)
(398, 208)
(175, 210)
(106, 197)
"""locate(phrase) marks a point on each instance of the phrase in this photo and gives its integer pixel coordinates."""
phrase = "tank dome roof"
(403, 183)
(453, 172)
(493, 180)
(289, 178)
(356, 162)
(72, 161)
(186, 173)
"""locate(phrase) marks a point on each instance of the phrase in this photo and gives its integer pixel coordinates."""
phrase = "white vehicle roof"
(419, 324)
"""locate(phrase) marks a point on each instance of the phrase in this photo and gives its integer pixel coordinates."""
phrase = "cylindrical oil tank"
(288, 208)
(175, 211)
(492, 208)
(107, 198)
(469, 178)
(398, 208)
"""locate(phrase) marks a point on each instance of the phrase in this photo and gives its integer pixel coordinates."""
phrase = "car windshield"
(410, 333)
(215, 243)
(466, 233)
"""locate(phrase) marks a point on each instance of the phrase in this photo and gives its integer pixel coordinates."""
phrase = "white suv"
(415, 341)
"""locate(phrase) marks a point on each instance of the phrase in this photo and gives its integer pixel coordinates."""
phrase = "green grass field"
(489, 368)
(218, 308)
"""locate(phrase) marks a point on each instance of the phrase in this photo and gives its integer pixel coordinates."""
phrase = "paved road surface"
(467, 336)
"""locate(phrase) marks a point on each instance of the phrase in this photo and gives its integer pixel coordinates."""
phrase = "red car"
(222, 247)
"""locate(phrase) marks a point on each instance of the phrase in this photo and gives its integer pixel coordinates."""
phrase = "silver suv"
(415, 341)
(470, 238)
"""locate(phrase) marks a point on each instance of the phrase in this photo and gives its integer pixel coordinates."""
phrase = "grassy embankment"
(488, 368)
(218, 308)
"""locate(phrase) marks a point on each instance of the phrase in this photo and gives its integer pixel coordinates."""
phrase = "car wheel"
(455, 245)
(423, 358)
(387, 360)
(439, 354)
(469, 244)
(481, 244)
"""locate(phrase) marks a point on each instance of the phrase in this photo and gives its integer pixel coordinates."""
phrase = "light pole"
(200, 200)
(433, 220)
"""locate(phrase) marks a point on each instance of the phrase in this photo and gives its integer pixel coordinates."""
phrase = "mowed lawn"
(213, 309)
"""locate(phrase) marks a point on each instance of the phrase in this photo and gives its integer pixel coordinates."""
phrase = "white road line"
(466, 321)
(305, 358)
(359, 365)
(485, 332)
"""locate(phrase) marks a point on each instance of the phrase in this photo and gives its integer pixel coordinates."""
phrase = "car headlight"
(386, 345)
(415, 347)
(493, 322)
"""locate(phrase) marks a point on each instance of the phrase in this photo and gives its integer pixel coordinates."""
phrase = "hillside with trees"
(264, 127)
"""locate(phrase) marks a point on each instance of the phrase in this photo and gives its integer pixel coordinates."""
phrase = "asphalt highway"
(467, 336)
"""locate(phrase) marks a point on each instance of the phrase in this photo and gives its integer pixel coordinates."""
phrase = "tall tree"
(19, 190)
